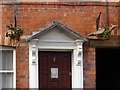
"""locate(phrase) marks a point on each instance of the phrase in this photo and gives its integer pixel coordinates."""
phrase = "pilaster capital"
(34, 46)
(34, 43)
(78, 42)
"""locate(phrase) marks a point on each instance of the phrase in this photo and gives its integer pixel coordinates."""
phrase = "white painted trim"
(14, 68)
(14, 64)
(77, 71)
(55, 41)
(33, 68)
(7, 71)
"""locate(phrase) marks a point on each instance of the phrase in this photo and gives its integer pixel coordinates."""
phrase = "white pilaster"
(33, 51)
(77, 66)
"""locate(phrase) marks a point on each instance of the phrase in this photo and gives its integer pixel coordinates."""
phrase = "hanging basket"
(14, 33)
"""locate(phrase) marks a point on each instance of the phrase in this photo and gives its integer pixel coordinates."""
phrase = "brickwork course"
(79, 16)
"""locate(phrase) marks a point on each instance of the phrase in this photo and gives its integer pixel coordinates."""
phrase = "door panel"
(54, 69)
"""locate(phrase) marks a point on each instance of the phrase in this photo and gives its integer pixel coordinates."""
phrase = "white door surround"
(56, 38)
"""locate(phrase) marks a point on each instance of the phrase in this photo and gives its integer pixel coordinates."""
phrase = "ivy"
(106, 32)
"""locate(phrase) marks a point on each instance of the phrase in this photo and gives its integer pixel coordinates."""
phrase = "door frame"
(76, 60)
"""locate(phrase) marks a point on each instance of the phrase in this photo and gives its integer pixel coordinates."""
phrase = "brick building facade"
(79, 16)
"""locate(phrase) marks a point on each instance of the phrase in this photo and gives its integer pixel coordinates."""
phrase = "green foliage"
(106, 32)
(14, 33)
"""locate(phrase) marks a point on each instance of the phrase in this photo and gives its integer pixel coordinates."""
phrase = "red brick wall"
(89, 67)
(22, 65)
(78, 16)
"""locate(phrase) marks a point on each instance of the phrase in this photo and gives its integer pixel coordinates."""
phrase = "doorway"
(54, 69)
(107, 68)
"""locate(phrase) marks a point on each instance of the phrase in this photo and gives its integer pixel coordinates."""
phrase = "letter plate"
(54, 72)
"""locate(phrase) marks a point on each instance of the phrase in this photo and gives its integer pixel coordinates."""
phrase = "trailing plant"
(102, 33)
(106, 32)
(14, 33)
